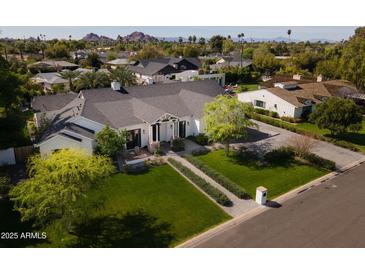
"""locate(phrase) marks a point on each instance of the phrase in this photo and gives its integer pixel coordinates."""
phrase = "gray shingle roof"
(52, 102)
(148, 103)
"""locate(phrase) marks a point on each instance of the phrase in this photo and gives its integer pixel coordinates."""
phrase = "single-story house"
(296, 100)
(161, 69)
(151, 114)
(120, 62)
(53, 65)
(49, 80)
(230, 61)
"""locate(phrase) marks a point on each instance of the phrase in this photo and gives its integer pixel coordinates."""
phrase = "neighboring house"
(49, 80)
(120, 62)
(192, 75)
(52, 65)
(151, 114)
(230, 61)
(296, 100)
(161, 69)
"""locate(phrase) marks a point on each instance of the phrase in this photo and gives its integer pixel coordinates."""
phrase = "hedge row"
(293, 128)
(219, 178)
(213, 192)
(319, 161)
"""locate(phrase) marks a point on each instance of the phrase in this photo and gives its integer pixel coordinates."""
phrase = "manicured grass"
(357, 138)
(160, 193)
(248, 87)
(278, 178)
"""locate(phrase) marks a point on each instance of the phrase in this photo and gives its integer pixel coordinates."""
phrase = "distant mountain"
(137, 36)
(92, 37)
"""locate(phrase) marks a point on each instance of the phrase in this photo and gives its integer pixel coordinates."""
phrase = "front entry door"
(133, 138)
(182, 129)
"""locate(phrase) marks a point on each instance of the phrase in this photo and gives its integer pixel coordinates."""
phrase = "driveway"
(329, 215)
(269, 137)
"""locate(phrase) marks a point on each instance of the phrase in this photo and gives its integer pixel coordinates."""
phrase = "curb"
(193, 242)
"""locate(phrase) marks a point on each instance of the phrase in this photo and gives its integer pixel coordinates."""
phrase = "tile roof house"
(296, 100)
(150, 114)
(53, 65)
(161, 69)
(49, 80)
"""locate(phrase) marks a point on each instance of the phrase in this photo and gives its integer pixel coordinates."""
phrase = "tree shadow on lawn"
(10, 222)
(134, 229)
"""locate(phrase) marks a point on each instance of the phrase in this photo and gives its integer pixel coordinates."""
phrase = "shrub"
(201, 139)
(273, 114)
(262, 111)
(282, 154)
(301, 144)
(319, 161)
(4, 184)
(290, 119)
(177, 144)
(213, 192)
(219, 178)
(200, 151)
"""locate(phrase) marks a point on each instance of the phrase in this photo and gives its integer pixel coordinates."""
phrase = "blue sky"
(298, 33)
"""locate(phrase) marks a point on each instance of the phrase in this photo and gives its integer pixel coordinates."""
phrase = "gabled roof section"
(52, 102)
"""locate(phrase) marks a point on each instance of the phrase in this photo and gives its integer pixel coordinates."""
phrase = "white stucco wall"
(60, 142)
(144, 132)
(283, 108)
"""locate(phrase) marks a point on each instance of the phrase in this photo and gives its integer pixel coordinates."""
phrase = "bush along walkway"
(237, 206)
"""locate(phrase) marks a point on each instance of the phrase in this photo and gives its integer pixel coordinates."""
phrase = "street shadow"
(135, 229)
(272, 204)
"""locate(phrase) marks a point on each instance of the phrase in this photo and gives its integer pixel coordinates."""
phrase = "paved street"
(329, 215)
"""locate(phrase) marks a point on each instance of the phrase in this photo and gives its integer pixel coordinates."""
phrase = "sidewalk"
(239, 206)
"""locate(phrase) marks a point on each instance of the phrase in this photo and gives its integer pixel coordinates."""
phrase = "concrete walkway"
(270, 137)
(239, 206)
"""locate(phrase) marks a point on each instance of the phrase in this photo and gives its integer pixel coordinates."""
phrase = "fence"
(12, 156)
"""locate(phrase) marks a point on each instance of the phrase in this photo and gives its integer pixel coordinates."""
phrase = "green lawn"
(248, 87)
(154, 209)
(357, 138)
(278, 179)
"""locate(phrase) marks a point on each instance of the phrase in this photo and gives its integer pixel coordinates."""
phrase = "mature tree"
(57, 50)
(248, 53)
(92, 60)
(3, 47)
(227, 119)
(180, 40)
(194, 39)
(124, 76)
(201, 41)
(110, 142)
(216, 43)
(352, 62)
(191, 51)
(264, 61)
(228, 46)
(90, 80)
(289, 33)
(307, 60)
(57, 183)
(190, 38)
(328, 68)
(10, 93)
(338, 115)
(149, 51)
(70, 76)
(20, 45)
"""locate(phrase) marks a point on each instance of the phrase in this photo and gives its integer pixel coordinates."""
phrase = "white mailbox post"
(261, 195)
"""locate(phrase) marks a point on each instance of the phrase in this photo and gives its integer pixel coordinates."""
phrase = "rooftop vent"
(287, 85)
(115, 86)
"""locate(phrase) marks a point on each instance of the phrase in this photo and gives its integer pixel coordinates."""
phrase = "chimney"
(115, 86)
(319, 78)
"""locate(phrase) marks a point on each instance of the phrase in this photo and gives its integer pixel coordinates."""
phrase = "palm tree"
(90, 80)
(124, 76)
(20, 45)
(240, 39)
(289, 33)
(70, 76)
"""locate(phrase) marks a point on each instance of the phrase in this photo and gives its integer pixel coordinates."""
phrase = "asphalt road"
(329, 215)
